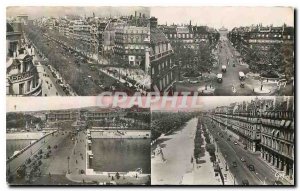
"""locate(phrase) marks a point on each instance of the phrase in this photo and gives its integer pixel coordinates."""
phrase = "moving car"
(245, 182)
(220, 78)
(194, 81)
(251, 167)
(234, 164)
(242, 75)
(223, 68)
(242, 84)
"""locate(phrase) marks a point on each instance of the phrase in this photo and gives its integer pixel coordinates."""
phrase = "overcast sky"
(35, 12)
(47, 103)
(228, 17)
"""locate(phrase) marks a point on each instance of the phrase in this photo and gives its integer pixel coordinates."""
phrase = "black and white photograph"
(229, 140)
(76, 143)
(77, 51)
(149, 94)
(223, 51)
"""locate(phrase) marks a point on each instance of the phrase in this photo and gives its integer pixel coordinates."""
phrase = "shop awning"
(273, 132)
(282, 123)
(287, 123)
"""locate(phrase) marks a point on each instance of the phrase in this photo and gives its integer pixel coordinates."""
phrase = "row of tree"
(167, 122)
(65, 66)
(279, 59)
(19, 120)
(210, 148)
(198, 142)
(195, 59)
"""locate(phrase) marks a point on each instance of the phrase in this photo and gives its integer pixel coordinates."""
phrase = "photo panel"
(77, 141)
(77, 51)
(222, 51)
(241, 141)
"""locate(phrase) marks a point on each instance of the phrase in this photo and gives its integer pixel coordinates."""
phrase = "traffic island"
(206, 90)
(263, 90)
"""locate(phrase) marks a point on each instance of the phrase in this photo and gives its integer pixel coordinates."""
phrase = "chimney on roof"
(153, 22)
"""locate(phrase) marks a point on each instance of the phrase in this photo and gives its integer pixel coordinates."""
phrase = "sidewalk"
(228, 177)
(177, 149)
(77, 160)
(285, 179)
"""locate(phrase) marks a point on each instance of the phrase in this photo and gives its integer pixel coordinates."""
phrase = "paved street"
(231, 84)
(263, 174)
(231, 76)
(177, 150)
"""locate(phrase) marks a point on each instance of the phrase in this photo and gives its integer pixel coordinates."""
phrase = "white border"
(4, 4)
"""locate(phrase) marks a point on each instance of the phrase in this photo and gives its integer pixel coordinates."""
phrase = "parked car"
(243, 159)
(235, 143)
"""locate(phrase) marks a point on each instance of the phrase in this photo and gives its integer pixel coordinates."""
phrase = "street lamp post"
(234, 180)
(68, 158)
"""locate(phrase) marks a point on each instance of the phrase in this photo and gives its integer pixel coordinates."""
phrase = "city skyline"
(60, 11)
(218, 17)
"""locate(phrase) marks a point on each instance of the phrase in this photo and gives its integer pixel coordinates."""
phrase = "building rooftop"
(157, 36)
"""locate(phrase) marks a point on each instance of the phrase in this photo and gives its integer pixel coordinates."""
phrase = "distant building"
(223, 30)
(84, 115)
(23, 18)
(261, 37)
(61, 115)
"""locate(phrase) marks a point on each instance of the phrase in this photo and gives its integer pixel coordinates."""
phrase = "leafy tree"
(211, 149)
